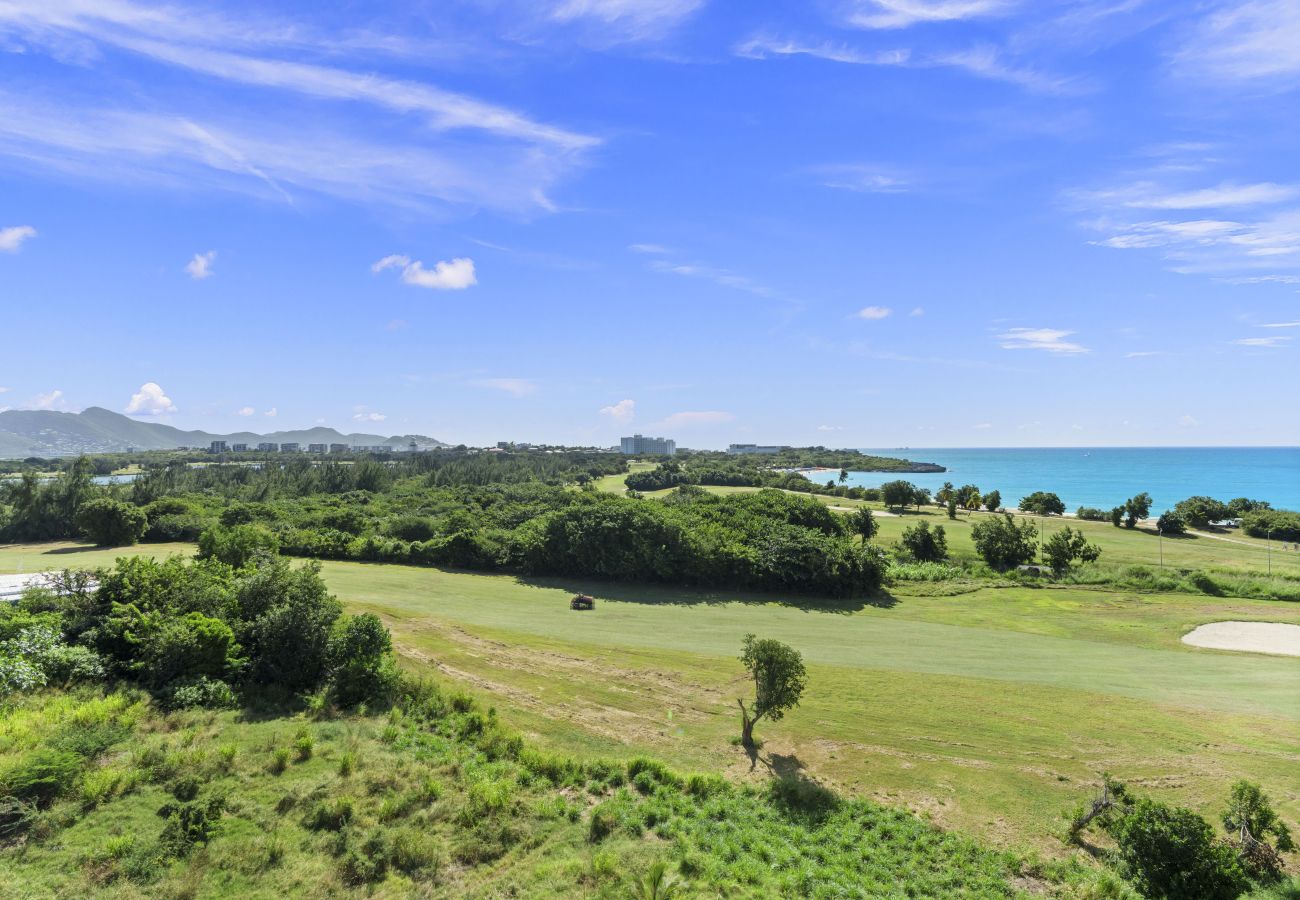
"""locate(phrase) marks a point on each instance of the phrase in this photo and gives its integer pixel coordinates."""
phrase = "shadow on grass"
(668, 595)
(66, 551)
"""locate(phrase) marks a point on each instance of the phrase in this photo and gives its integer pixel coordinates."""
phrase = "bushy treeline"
(767, 540)
(195, 633)
(724, 470)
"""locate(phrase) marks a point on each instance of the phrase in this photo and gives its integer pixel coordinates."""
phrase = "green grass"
(614, 484)
(991, 710)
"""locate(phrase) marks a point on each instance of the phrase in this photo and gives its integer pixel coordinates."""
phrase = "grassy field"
(991, 711)
(613, 484)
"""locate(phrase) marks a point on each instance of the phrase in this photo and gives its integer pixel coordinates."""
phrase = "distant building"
(639, 445)
(338, 448)
(505, 445)
(317, 448)
(413, 447)
(291, 447)
(386, 448)
(217, 447)
(755, 449)
(268, 446)
(239, 448)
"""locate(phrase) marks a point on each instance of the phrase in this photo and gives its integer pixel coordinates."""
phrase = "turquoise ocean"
(1105, 476)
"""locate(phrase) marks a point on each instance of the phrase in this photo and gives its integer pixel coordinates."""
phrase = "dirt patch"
(1274, 638)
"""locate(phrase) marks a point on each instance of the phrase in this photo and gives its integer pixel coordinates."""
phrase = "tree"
(844, 475)
(1067, 545)
(944, 494)
(237, 546)
(862, 523)
(924, 543)
(1042, 503)
(968, 494)
(1136, 508)
(1117, 516)
(952, 506)
(111, 523)
(1169, 851)
(1252, 823)
(898, 494)
(1239, 506)
(1171, 523)
(1200, 511)
(993, 501)
(360, 656)
(1003, 543)
(779, 680)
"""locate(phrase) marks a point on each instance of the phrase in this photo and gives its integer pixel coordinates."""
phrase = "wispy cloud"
(365, 414)
(1140, 354)
(722, 277)
(982, 61)
(515, 387)
(628, 19)
(200, 266)
(1281, 325)
(862, 179)
(12, 238)
(1245, 41)
(1150, 195)
(873, 313)
(905, 13)
(427, 143)
(245, 411)
(150, 400)
(1050, 340)
(702, 417)
(1276, 340)
(655, 249)
(271, 413)
(622, 411)
(455, 275)
(830, 427)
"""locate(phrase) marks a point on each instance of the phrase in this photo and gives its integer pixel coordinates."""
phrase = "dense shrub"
(1003, 542)
(1169, 851)
(111, 523)
(236, 545)
(925, 544)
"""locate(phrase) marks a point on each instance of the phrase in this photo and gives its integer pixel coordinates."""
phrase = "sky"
(868, 223)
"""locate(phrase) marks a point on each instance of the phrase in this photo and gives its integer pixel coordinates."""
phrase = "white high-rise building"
(639, 445)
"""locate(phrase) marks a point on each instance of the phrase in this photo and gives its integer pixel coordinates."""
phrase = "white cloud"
(862, 179)
(647, 248)
(271, 413)
(830, 427)
(622, 411)
(12, 238)
(245, 411)
(455, 275)
(150, 401)
(49, 400)
(515, 387)
(1254, 40)
(982, 61)
(362, 414)
(1139, 354)
(4, 390)
(873, 312)
(905, 13)
(631, 19)
(983, 426)
(200, 266)
(1188, 422)
(428, 143)
(1281, 325)
(917, 311)
(703, 417)
(722, 277)
(1275, 340)
(1150, 195)
(1051, 340)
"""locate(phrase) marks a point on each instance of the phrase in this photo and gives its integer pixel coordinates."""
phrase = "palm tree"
(657, 884)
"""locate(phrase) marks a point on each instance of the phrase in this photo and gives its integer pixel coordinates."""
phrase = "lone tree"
(1003, 542)
(924, 543)
(862, 522)
(1136, 508)
(898, 494)
(993, 501)
(1067, 545)
(779, 680)
(1042, 503)
(111, 523)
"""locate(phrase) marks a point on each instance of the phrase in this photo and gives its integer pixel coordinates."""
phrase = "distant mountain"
(97, 430)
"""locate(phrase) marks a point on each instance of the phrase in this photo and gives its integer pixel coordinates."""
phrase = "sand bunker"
(1251, 637)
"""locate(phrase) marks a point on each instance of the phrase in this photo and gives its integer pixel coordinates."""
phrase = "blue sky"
(851, 222)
